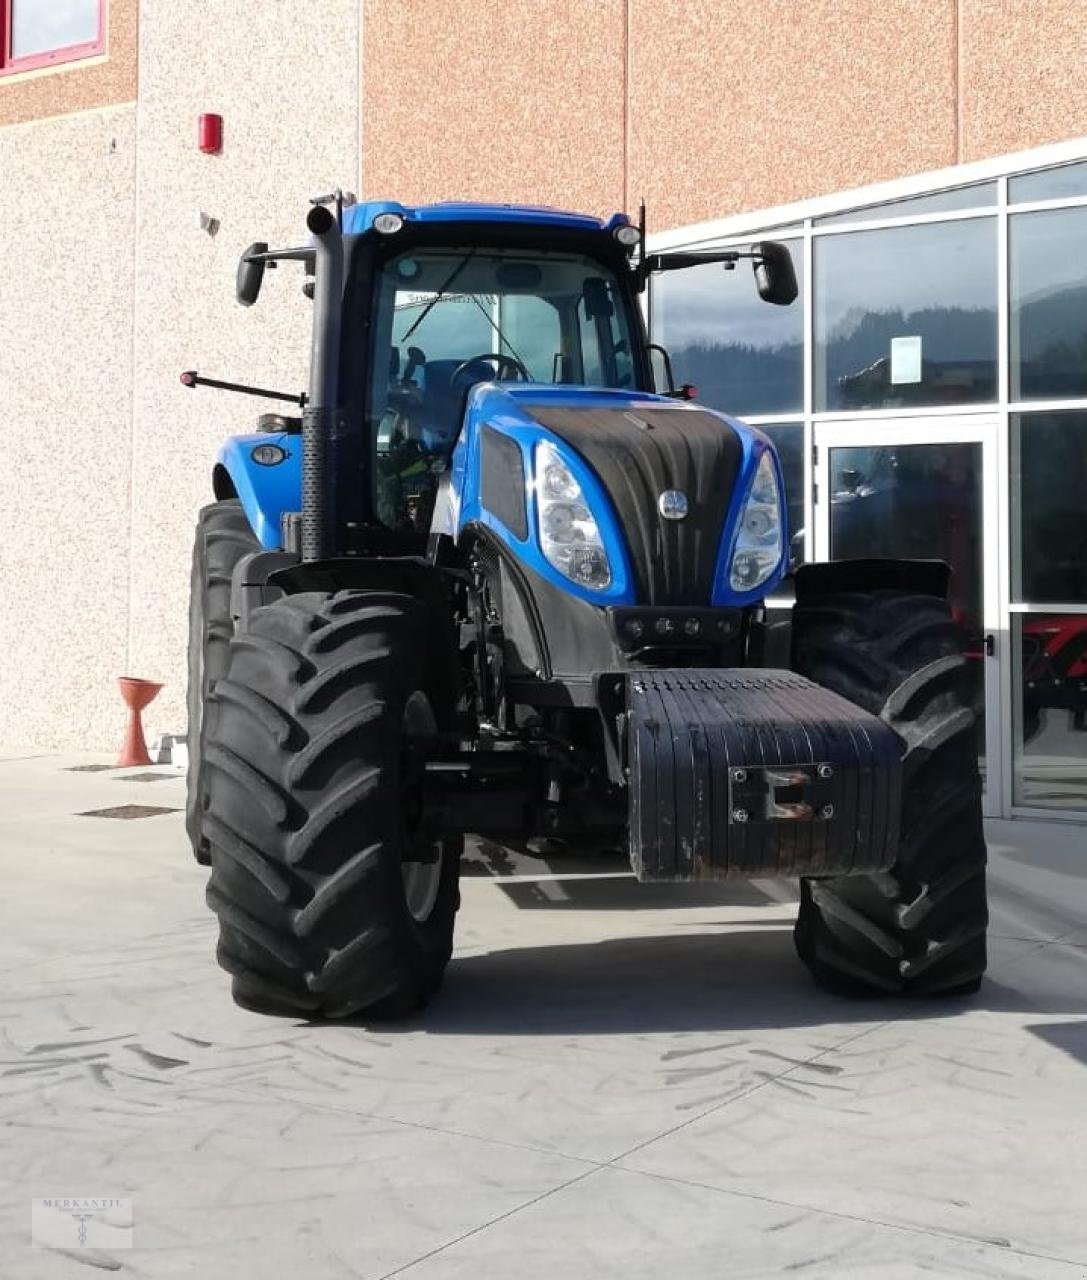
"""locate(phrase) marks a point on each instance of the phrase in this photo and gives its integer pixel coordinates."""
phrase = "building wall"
(109, 457)
(66, 379)
(1022, 67)
(742, 106)
(508, 100)
(284, 76)
(704, 108)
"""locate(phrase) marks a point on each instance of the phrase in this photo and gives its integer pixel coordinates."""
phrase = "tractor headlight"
(569, 536)
(759, 540)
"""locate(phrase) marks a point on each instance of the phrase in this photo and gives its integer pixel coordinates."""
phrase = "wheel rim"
(422, 880)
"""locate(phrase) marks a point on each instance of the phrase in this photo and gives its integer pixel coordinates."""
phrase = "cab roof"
(359, 218)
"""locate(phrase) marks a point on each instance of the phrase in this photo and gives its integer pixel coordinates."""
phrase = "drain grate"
(146, 777)
(126, 811)
(89, 768)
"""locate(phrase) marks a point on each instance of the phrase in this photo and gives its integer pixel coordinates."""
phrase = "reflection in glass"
(1048, 266)
(1049, 507)
(918, 502)
(40, 26)
(978, 196)
(1049, 184)
(906, 316)
(744, 356)
(788, 438)
(1050, 710)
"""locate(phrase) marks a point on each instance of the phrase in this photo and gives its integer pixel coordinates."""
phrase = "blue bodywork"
(267, 491)
(359, 218)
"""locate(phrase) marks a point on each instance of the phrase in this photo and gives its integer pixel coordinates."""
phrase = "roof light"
(627, 235)
(388, 224)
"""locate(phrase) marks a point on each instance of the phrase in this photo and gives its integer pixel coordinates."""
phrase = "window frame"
(10, 65)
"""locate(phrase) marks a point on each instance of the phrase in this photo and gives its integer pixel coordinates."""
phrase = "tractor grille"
(638, 452)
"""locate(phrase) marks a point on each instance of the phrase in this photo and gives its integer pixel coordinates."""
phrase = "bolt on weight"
(739, 775)
(825, 771)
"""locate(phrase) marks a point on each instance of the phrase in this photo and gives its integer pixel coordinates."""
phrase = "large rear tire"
(223, 537)
(919, 927)
(332, 894)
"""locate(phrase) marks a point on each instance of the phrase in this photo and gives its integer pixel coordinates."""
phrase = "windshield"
(447, 319)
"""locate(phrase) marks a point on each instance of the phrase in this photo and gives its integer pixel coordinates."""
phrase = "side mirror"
(250, 274)
(775, 277)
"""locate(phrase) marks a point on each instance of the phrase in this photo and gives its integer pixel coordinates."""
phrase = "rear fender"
(925, 577)
(265, 490)
(772, 638)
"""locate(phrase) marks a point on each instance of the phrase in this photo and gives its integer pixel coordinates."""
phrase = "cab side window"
(605, 354)
(531, 327)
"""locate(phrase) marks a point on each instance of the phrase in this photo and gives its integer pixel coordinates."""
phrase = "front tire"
(332, 895)
(223, 537)
(919, 927)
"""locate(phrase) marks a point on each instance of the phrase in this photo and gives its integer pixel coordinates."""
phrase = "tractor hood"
(669, 478)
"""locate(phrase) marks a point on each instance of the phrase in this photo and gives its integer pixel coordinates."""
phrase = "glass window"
(602, 355)
(1049, 507)
(744, 355)
(446, 319)
(1050, 710)
(906, 316)
(1049, 184)
(532, 327)
(42, 26)
(788, 439)
(1048, 265)
(978, 196)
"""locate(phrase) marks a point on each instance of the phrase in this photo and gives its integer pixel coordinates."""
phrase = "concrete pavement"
(617, 1081)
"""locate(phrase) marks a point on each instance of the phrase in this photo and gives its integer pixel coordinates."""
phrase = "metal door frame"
(973, 428)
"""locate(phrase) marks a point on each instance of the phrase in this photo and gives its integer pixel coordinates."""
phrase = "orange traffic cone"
(137, 694)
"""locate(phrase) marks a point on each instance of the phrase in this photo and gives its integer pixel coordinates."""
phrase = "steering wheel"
(503, 365)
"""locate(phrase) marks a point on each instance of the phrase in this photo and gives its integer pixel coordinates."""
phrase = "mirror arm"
(302, 254)
(190, 378)
(679, 261)
(656, 262)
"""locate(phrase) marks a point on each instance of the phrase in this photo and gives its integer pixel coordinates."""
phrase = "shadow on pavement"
(1071, 1037)
(629, 895)
(576, 889)
(709, 981)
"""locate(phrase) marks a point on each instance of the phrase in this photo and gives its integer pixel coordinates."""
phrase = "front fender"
(265, 491)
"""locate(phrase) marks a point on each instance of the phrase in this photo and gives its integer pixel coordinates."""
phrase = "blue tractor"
(499, 577)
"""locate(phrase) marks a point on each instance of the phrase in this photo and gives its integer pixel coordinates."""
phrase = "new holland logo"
(672, 504)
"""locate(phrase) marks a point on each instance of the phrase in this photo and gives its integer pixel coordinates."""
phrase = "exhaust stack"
(322, 405)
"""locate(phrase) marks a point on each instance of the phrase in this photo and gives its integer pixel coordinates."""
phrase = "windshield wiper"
(440, 294)
(501, 336)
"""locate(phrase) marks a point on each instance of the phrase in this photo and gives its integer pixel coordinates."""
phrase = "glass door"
(923, 489)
